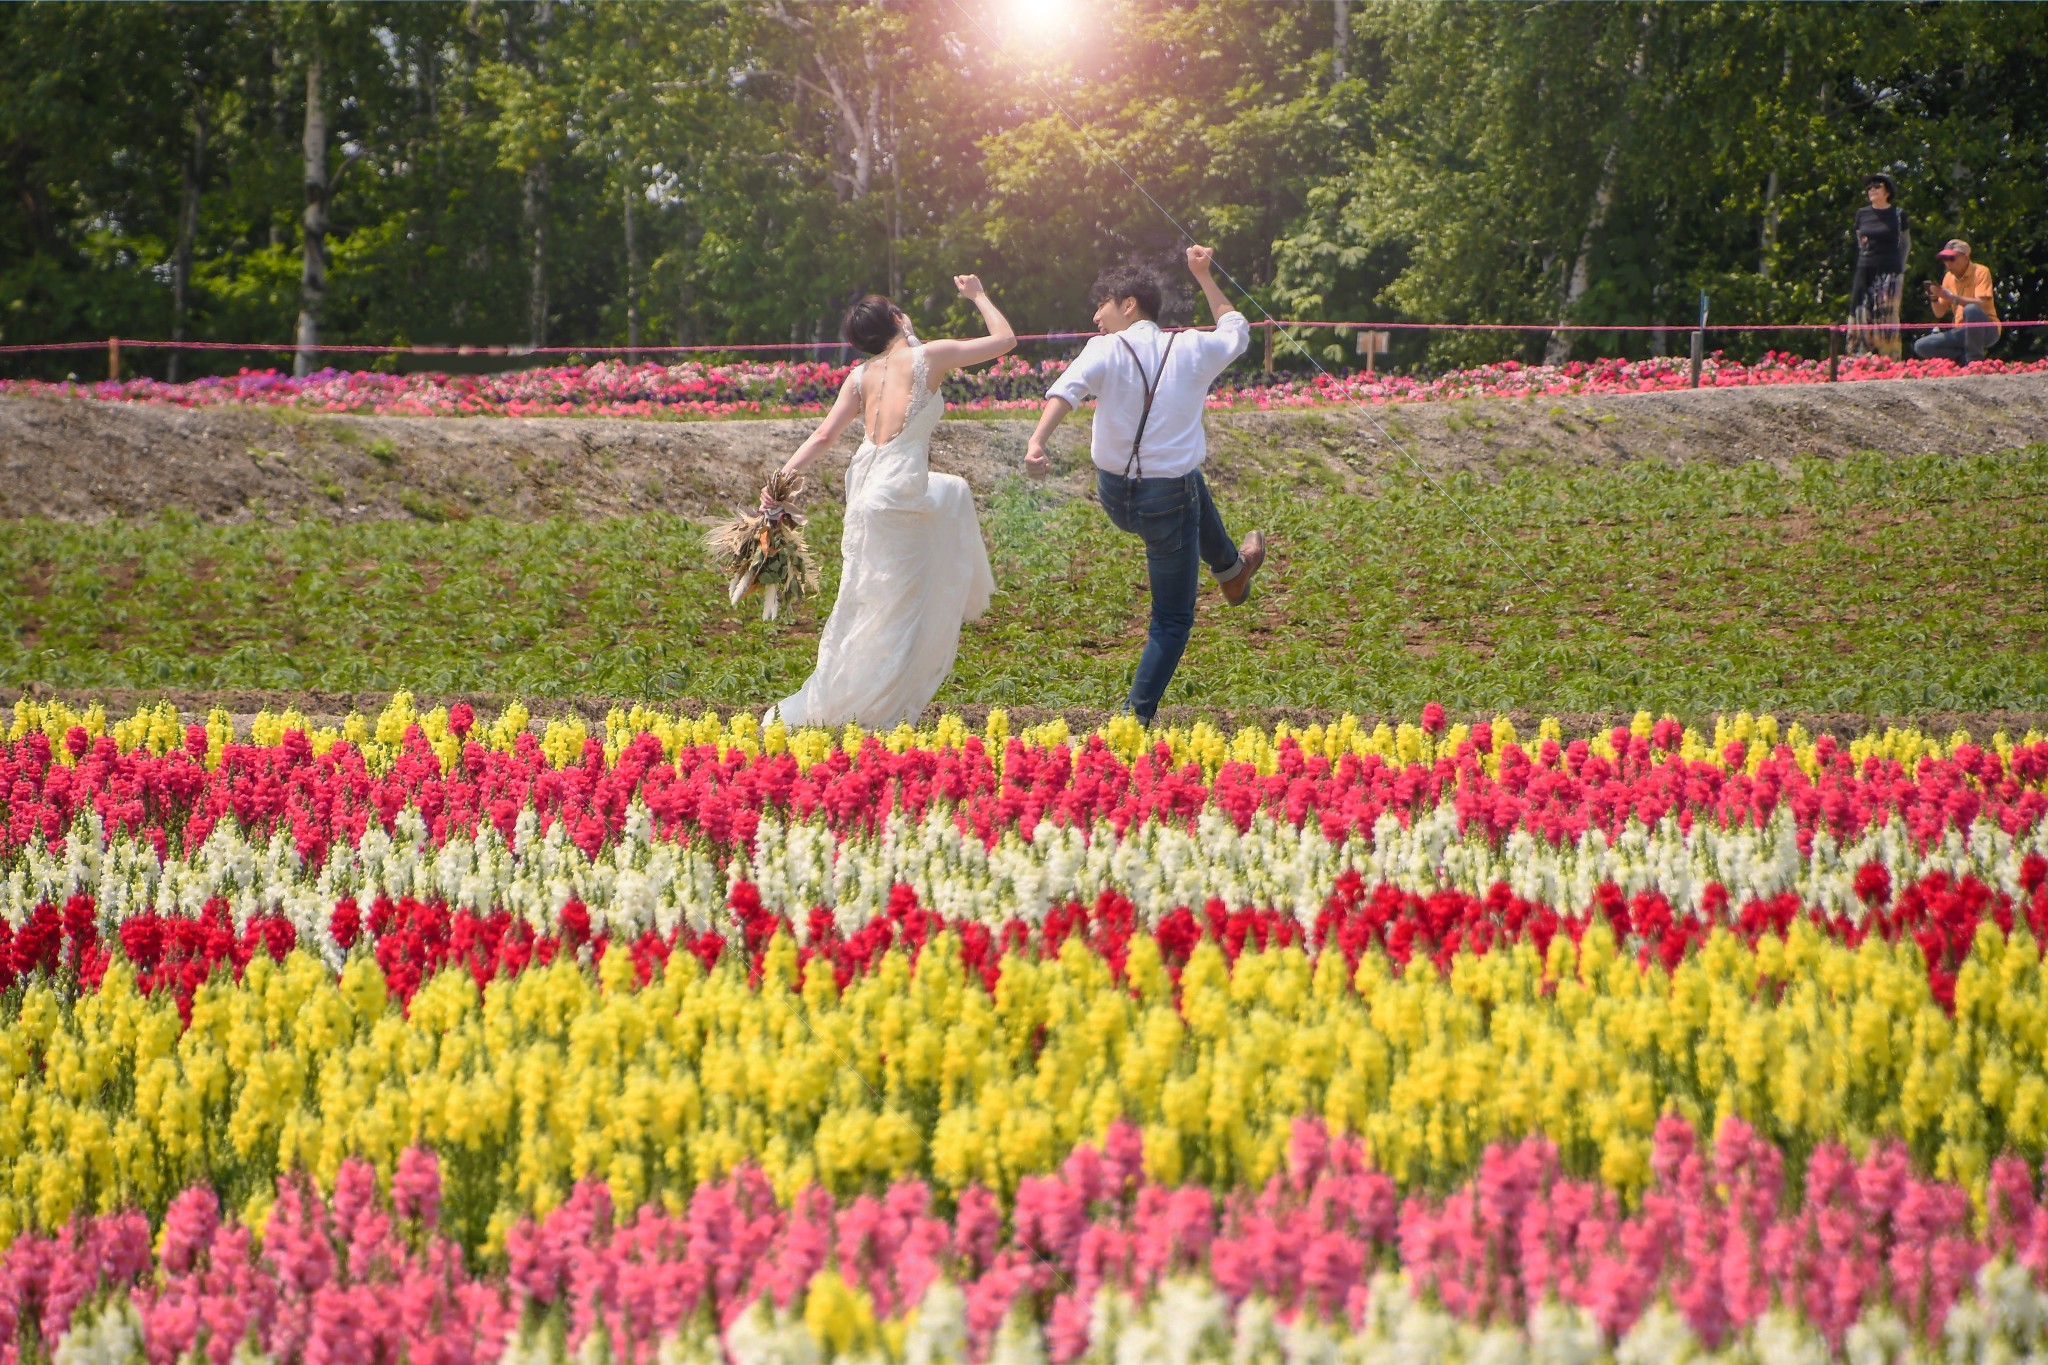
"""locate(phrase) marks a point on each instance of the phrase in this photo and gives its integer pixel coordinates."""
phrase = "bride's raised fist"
(969, 286)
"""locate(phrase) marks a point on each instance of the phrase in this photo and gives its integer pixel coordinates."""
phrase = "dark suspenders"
(1134, 467)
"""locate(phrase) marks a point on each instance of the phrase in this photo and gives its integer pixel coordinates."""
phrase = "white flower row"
(1188, 1322)
(643, 882)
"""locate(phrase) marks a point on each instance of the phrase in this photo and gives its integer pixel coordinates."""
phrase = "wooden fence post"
(114, 359)
(1370, 344)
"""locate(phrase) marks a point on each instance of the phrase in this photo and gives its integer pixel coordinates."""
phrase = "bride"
(913, 566)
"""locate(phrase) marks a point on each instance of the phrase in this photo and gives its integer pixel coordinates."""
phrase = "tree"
(88, 170)
(1607, 163)
(532, 128)
(605, 171)
(338, 50)
(209, 53)
(647, 98)
(1222, 112)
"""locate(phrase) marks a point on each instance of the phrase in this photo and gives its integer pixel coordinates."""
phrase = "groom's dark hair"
(871, 324)
(1121, 282)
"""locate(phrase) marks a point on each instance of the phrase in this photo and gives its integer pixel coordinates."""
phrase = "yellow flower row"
(157, 729)
(562, 1074)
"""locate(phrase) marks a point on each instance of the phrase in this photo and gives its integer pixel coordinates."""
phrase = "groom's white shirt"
(1174, 443)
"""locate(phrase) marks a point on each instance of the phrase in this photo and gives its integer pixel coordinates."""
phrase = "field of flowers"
(432, 1036)
(784, 388)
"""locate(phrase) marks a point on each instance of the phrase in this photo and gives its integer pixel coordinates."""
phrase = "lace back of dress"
(920, 382)
(920, 392)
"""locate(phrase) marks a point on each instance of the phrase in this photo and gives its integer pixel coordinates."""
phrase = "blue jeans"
(1966, 343)
(1182, 531)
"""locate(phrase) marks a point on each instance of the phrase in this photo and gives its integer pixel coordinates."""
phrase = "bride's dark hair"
(871, 324)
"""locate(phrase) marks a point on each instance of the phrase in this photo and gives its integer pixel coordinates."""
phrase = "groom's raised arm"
(1200, 263)
(1233, 334)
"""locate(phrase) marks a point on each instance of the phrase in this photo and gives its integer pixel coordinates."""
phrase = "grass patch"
(1877, 584)
(429, 508)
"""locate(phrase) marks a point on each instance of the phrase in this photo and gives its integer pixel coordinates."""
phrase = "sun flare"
(1041, 18)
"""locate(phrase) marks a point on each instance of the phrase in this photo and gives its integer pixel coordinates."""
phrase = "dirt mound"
(76, 459)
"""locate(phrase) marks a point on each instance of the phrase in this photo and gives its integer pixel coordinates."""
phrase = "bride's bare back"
(880, 390)
(886, 388)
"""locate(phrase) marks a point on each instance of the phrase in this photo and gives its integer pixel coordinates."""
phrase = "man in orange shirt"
(1964, 294)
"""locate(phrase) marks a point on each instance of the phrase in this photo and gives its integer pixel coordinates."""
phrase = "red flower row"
(1555, 792)
(413, 940)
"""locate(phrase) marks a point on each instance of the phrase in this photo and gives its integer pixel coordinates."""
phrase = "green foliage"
(1876, 584)
(1220, 111)
(1677, 148)
(781, 157)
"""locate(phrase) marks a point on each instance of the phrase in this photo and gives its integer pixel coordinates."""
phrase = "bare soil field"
(75, 459)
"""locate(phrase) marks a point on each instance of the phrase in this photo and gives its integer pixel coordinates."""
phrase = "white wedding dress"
(913, 570)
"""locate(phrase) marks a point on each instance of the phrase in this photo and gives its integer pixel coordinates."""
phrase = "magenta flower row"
(356, 1277)
(768, 388)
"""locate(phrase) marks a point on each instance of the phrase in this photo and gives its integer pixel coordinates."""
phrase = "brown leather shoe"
(1253, 553)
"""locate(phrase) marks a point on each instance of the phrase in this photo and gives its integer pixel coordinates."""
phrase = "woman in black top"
(1880, 269)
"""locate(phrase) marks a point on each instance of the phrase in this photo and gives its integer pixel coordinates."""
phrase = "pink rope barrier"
(1626, 327)
(287, 348)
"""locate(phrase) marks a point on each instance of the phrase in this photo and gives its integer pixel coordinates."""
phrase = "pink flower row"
(356, 1277)
(768, 388)
(1554, 792)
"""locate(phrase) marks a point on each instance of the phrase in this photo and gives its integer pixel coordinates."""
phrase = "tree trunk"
(688, 240)
(895, 203)
(279, 72)
(535, 203)
(632, 282)
(686, 310)
(1767, 239)
(1559, 348)
(534, 192)
(863, 127)
(188, 226)
(313, 269)
(1340, 43)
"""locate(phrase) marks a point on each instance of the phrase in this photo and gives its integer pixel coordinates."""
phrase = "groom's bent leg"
(1173, 565)
(1165, 514)
(1219, 551)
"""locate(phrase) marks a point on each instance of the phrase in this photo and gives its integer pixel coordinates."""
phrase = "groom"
(1148, 449)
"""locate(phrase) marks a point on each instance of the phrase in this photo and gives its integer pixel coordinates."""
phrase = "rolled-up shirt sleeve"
(1226, 343)
(1081, 379)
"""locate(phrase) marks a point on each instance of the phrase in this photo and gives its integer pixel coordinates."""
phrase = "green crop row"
(1877, 583)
